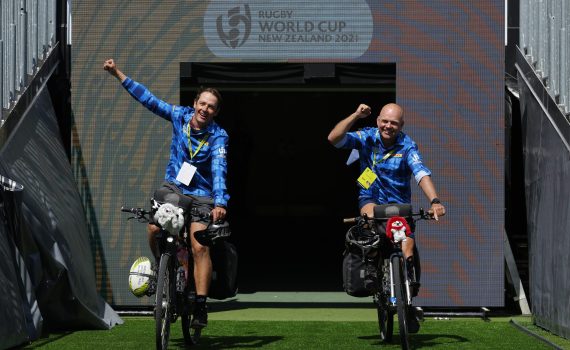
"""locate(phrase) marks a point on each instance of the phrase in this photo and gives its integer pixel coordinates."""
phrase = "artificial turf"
(225, 332)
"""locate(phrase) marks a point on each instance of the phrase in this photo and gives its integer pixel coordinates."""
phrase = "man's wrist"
(435, 201)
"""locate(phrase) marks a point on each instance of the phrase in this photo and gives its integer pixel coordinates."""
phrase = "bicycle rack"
(481, 312)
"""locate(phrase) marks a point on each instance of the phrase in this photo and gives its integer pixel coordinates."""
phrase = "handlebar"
(139, 213)
(421, 215)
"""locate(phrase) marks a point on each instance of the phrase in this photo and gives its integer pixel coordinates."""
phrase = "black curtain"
(50, 240)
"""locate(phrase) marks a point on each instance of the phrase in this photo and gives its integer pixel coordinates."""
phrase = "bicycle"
(392, 293)
(175, 293)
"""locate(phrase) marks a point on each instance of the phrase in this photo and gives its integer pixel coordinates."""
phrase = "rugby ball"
(140, 276)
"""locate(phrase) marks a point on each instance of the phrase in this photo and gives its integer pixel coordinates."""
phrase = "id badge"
(186, 173)
(367, 178)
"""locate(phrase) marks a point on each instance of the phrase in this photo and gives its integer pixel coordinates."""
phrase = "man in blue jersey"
(196, 171)
(393, 157)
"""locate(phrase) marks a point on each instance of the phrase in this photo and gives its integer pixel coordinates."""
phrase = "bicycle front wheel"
(401, 299)
(163, 308)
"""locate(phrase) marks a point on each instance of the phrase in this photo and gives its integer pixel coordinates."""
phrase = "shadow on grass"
(228, 342)
(234, 305)
(421, 340)
(46, 339)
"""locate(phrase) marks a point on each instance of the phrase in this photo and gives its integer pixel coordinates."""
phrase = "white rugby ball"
(140, 275)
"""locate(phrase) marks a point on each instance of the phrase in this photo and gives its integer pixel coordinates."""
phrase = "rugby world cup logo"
(235, 27)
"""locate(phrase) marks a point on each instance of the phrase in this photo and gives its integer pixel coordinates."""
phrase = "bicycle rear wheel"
(163, 308)
(401, 299)
(191, 335)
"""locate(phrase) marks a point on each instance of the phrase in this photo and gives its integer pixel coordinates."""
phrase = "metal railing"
(545, 41)
(28, 34)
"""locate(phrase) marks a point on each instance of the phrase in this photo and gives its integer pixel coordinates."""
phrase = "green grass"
(459, 333)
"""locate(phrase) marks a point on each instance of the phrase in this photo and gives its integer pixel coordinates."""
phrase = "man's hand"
(110, 66)
(363, 111)
(437, 210)
(218, 213)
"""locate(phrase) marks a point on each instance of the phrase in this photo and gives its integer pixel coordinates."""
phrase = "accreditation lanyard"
(386, 156)
(202, 142)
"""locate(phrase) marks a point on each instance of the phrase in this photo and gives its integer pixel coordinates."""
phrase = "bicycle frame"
(392, 292)
(407, 282)
(171, 303)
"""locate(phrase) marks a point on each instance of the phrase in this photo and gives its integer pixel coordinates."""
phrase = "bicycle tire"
(401, 299)
(163, 308)
(191, 335)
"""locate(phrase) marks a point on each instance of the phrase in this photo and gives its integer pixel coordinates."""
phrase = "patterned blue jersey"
(210, 160)
(393, 170)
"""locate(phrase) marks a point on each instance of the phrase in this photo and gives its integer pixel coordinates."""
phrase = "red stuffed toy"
(397, 229)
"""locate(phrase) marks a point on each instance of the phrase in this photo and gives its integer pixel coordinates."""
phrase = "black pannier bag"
(359, 275)
(224, 275)
(353, 274)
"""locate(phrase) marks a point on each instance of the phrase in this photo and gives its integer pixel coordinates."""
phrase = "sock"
(201, 299)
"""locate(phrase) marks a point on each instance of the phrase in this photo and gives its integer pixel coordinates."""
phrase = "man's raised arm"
(340, 130)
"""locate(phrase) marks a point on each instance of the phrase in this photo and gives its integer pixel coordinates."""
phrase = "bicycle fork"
(393, 300)
(169, 251)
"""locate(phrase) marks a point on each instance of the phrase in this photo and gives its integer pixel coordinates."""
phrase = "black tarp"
(19, 315)
(53, 239)
(546, 152)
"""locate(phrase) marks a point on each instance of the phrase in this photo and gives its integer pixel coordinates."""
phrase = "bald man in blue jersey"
(196, 171)
(393, 157)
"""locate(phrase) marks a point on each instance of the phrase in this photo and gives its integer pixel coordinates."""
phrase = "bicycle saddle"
(386, 211)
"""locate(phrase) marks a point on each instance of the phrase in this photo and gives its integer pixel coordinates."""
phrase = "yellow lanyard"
(383, 159)
(202, 142)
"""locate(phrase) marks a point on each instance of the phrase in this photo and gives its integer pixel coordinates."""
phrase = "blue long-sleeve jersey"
(210, 160)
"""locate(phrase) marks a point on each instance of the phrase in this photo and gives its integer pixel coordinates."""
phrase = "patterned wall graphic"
(449, 58)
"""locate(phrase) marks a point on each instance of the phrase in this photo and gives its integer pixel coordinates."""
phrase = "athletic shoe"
(199, 316)
(419, 313)
(414, 320)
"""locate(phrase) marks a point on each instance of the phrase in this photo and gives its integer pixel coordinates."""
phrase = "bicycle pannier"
(224, 275)
(354, 274)
(358, 276)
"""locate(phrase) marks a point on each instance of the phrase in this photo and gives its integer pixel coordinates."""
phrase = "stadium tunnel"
(289, 187)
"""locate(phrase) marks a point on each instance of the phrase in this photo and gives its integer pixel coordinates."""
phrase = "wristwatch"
(435, 201)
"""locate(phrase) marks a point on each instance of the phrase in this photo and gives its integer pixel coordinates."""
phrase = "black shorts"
(170, 193)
